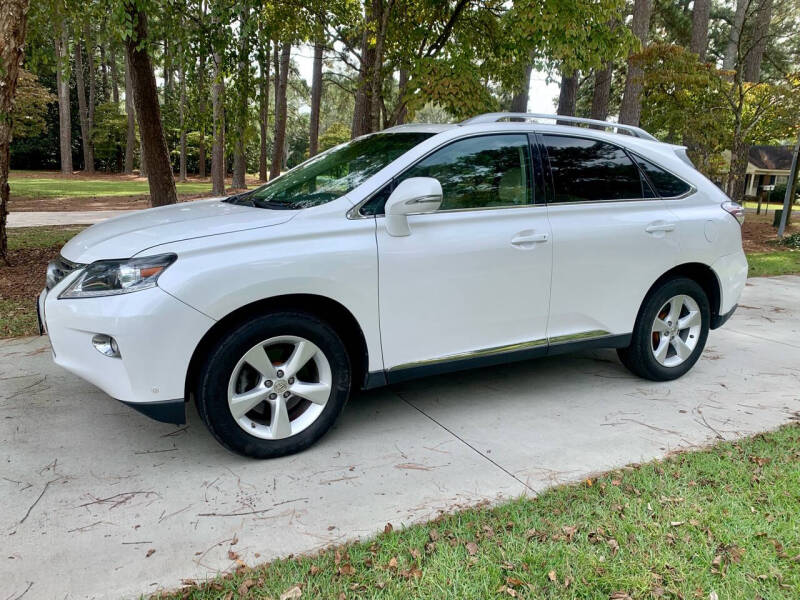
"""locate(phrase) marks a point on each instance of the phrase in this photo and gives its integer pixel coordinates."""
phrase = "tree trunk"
(568, 95)
(130, 138)
(263, 104)
(519, 103)
(62, 83)
(755, 53)
(145, 96)
(602, 92)
(280, 113)
(112, 67)
(218, 110)
(316, 101)
(401, 113)
(700, 17)
(630, 110)
(182, 117)
(83, 110)
(201, 86)
(731, 58)
(242, 96)
(738, 169)
(362, 111)
(13, 21)
(103, 72)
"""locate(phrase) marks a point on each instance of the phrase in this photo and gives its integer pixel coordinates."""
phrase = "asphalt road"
(98, 501)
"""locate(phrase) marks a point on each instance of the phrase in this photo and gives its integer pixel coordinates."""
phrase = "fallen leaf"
(677, 523)
(393, 562)
(569, 531)
(513, 581)
(245, 586)
(232, 555)
(613, 546)
(292, 593)
(388, 528)
(150, 553)
(313, 570)
(415, 554)
(620, 596)
(589, 483)
(347, 569)
(713, 595)
(552, 576)
(472, 548)
(433, 535)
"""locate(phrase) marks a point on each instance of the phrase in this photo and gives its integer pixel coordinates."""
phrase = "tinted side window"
(479, 172)
(666, 184)
(588, 170)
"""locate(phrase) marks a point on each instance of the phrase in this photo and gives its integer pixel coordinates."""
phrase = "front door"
(473, 279)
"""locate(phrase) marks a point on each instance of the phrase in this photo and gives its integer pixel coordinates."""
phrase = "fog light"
(105, 344)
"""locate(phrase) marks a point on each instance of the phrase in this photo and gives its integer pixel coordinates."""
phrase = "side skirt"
(493, 357)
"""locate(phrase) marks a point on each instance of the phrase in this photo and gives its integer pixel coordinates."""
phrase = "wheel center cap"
(280, 386)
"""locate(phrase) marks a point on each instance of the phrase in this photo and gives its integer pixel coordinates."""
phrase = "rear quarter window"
(666, 184)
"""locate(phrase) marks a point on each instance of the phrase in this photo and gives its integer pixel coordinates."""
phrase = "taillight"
(735, 209)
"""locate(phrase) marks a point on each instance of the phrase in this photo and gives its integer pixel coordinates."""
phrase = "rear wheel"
(274, 385)
(670, 331)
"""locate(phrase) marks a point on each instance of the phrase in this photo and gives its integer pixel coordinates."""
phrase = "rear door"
(612, 237)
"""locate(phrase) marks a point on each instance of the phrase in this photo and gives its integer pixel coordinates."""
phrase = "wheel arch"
(700, 273)
(332, 312)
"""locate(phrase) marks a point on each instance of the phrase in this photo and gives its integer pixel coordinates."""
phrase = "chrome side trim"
(474, 354)
(579, 337)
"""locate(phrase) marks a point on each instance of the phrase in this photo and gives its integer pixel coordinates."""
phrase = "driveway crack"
(467, 444)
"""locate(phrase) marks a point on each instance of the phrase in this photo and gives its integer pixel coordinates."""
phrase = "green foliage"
(688, 102)
(30, 107)
(792, 241)
(335, 134)
(778, 194)
(110, 130)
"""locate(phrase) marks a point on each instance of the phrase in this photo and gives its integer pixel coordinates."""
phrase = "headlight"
(112, 277)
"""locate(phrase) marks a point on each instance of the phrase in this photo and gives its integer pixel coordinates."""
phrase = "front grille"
(58, 269)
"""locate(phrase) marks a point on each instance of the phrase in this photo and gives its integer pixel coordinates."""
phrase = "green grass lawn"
(717, 523)
(765, 264)
(54, 187)
(42, 237)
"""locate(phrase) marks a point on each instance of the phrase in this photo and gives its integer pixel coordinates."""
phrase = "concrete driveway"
(98, 501)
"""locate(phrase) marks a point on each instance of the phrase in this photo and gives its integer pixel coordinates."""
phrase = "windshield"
(331, 174)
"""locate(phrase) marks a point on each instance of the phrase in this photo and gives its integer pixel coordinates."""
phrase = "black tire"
(639, 357)
(211, 385)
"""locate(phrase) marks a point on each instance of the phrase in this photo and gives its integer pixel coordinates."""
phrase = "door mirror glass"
(416, 195)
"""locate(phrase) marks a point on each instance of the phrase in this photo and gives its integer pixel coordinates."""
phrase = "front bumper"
(156, 333)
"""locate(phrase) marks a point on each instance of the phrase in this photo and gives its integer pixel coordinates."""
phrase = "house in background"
(766, 165)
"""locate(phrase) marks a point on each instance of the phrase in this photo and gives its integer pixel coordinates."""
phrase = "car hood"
(128, 235)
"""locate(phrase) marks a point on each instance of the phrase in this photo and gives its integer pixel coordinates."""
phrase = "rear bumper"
(731, 271)
(718, 321)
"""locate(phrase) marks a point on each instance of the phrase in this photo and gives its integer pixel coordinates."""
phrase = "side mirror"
(414, 196)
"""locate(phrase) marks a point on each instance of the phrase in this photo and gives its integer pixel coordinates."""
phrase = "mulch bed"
(24, 279)
(758, 234)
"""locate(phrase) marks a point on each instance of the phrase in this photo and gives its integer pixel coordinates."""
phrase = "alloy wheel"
(279, 387)
(676, 330)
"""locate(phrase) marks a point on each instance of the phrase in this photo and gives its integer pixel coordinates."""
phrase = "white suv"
(418, 250)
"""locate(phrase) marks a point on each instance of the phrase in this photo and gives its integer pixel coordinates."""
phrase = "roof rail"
(561, 119)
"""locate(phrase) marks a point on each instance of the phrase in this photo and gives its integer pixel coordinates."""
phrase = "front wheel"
(274, 385)
(670, 331)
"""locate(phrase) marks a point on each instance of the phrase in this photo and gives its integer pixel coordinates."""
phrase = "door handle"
(655, 227)
(527, 240)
